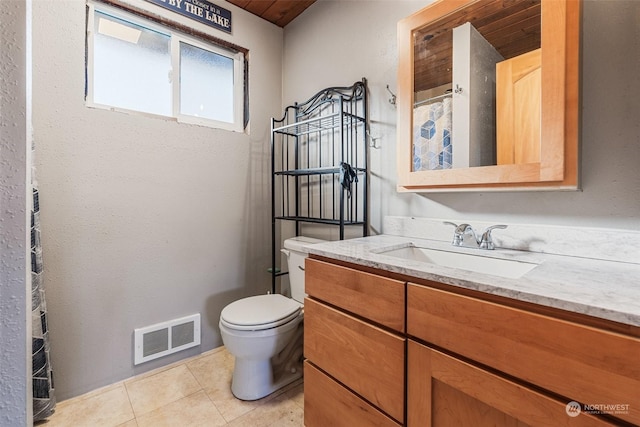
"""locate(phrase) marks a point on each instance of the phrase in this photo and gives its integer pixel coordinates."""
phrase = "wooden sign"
(200, 10)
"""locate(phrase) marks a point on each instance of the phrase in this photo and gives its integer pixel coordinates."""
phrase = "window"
(137, 65)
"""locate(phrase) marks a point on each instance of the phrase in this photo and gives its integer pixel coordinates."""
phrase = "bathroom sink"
(480, 264)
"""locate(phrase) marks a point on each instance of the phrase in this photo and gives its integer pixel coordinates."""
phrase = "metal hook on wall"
(392, 100)
(373, 141)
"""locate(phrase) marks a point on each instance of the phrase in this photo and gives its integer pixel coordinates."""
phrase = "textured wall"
(144, 219)
(15, 347)
(335, 42)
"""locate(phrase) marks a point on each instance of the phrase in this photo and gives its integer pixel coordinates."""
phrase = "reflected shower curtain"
(432, 147)
(44, 400)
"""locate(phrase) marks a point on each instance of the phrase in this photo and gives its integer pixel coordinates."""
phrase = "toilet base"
(253, 379)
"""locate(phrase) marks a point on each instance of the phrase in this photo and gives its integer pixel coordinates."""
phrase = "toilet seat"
(260, 312)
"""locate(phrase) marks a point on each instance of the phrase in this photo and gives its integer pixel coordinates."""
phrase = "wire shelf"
(319, 156)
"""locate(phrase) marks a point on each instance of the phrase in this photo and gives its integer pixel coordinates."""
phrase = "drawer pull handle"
(301, 267)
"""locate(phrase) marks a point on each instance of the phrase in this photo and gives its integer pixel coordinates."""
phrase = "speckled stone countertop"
(599, 288)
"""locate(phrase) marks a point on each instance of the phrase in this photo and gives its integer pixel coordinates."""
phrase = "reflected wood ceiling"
(279, 12)
(511, 26)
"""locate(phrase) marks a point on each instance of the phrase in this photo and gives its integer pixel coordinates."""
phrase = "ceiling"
(279, 12)
(512, 27)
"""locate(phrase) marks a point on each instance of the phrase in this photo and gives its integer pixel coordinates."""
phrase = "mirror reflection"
(477, 74)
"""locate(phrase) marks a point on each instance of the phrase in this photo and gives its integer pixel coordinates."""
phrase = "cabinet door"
(368, 360)
(443, 391)
(327, 403)
(585, 364)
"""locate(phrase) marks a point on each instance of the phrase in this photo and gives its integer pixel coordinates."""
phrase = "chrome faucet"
(465, 236)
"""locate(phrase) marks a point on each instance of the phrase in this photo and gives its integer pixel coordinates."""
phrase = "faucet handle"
(457, 238)
(486, 241)
(462, 230)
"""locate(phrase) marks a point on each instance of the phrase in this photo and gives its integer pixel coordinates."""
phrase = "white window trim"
(238, 65)
(176, 38)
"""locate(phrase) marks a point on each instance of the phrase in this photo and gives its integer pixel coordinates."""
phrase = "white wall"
(144, 219)
(338, 42)
(15, 192)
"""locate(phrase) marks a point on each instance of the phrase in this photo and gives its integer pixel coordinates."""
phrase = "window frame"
(176, 37)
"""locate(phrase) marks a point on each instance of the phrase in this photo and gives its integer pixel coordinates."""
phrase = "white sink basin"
(480, 264)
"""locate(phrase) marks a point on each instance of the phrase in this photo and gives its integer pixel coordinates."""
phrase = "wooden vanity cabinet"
(354, 347)
(578, 362)
(462, 358)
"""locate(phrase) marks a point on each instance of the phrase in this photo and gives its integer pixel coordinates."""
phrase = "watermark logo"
(573, 409)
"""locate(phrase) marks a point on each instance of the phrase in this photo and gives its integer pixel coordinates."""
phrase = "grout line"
(126, 390)
(226, 423)
(135, 416)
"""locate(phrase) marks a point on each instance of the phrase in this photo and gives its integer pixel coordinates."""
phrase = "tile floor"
(194, 392)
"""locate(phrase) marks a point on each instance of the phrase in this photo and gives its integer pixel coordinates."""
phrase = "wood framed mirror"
(538, 43)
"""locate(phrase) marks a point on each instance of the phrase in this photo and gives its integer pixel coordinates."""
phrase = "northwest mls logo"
(573, 409)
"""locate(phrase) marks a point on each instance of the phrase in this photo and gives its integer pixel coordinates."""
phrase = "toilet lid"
(260, 312)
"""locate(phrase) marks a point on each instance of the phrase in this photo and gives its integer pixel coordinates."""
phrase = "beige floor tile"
(108, 409)
(131, 423)
(195, 392)
(153, 392)
(196, 410)
(173, 365)
(293, 396)
(214, 373)
(229, 406)
(278, 412)
(213, 369)
(296, 394)
(295, 418)
(90, 394)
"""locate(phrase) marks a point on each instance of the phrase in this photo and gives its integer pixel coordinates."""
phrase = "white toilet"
(264, 332)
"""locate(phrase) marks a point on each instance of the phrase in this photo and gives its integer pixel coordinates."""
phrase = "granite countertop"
(606, 289)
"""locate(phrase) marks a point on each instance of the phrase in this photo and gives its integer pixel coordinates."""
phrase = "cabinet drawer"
(327, 403)
(374, 297)
(586, 364)
(444, 391)
(366, 359)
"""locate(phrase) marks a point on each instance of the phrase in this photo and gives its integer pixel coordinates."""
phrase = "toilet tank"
(297, 249)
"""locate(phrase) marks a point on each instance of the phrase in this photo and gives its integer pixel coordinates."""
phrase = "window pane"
(131, 66)
(206, 84)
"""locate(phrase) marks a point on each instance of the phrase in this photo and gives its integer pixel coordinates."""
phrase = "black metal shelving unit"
(319, 163)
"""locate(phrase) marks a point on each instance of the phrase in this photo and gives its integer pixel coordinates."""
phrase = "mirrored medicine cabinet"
(488, 96)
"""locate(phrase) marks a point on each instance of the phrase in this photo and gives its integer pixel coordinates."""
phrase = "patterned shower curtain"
(44, 401)
(432, 145)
